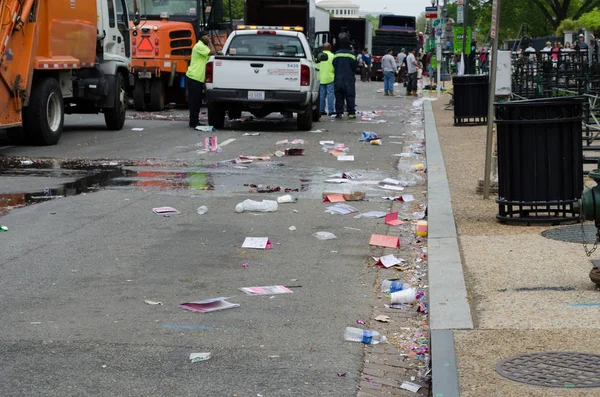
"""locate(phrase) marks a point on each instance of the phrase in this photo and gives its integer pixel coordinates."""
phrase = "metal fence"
(546, 74)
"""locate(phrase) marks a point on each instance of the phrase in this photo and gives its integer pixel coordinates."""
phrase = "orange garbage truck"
(162, 47)
(61, 57)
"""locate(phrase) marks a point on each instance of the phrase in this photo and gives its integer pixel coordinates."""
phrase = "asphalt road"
(75, 271)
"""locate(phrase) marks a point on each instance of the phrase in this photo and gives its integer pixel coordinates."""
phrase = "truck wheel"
(139, 95)
(216, 115)
(115, 116)
(43, 119)
(158, 95)
(305, 119)
(234, 113)
(316, 112)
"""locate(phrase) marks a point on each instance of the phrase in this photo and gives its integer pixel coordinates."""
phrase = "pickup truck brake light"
(266, 32)
(304, 76)
(209, 72)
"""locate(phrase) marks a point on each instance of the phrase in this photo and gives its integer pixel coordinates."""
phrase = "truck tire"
(305, 118)
(234, 113)
(316, 111)
(158, 95)
(139, 95)
(43, 119)
(216, 115)
(115, 116)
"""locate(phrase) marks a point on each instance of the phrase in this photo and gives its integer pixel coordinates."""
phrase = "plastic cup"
(405, 296)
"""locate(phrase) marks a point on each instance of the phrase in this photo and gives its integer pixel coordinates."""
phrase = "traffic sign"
(439, 23)
(460, 14)
(494, 19)
(439, 32)
(431, 12)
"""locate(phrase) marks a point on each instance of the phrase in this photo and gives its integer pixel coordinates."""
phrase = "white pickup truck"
(263, 70)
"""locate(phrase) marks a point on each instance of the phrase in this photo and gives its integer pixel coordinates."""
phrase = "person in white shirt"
(412, 66)
(388, 64)
(401, 66)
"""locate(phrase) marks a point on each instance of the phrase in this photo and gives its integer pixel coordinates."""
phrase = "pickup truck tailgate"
(245, 73)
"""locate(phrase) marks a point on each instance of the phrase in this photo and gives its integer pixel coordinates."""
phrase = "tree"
(421, 22)
(237, 9)
(556, 11)
(374, 19)
(590, 21)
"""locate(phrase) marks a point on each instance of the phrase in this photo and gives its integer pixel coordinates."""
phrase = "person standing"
(345, 65)
(388, 64)
(365, 65)
(327, 77)
(401, 65)
(411, 65)
(196, 75)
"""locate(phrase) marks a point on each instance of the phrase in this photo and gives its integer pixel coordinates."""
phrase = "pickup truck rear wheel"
(216, 115)
(316, 111)
(305, 119)
(234, 113)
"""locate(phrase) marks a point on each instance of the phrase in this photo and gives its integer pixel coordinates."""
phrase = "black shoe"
(323, 113)
(339, 116)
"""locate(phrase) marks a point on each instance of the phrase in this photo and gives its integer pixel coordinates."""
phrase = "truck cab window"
(111, 14)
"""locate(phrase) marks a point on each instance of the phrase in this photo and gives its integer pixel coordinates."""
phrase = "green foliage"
(421, 22)
(590, 20)
(567, 24)
(374, 20)
(237, 9)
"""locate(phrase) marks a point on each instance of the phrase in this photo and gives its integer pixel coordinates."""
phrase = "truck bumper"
(288, 99)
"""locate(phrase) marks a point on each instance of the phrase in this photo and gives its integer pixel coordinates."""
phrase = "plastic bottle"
(363, 335)
(408, 295)
(258, 206)
(202, 210)
(286, 199)
(391, 286)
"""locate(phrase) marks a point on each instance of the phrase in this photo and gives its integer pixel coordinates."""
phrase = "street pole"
(490, 120)
(438, 54)
(464, 41)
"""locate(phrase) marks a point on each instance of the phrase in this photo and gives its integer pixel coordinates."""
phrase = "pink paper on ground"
(334, 198)
(384, 241)
(392, 219)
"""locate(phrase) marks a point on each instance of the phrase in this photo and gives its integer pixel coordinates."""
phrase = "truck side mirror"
(322, 57)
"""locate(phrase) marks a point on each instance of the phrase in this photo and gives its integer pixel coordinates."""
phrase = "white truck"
(263, 70)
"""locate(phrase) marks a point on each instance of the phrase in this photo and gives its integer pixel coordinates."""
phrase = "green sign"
(458, 40)
(434, 63)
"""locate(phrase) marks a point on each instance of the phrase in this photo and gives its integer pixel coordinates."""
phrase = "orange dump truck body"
(57, 35)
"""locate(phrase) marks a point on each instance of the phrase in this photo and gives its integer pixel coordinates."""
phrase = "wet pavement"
(84, 250)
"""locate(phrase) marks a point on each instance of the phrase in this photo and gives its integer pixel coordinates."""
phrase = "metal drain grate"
(572, 234)
(553, 369)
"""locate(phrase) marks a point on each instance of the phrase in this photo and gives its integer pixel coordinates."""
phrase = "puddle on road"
(175, 178)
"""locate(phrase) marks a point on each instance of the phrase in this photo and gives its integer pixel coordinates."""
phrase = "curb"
(448, 305)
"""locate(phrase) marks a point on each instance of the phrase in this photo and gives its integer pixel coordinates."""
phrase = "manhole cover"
(572, 234)
(553, 369)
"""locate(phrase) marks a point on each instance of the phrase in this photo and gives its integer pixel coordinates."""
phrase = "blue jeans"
(388, 82)
(326, 93)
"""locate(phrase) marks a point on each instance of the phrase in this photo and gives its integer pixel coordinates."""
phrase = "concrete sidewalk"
(527, 293)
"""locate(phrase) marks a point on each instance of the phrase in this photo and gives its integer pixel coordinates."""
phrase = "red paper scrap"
(392, 219)
(384, 241)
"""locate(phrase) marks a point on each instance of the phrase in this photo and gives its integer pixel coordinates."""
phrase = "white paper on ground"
(390, 181)
(346, 158)
(324, 235)
(374, 214)
(341, 208)
(410, 386)
(137, 129)
(389, 261)
(256, 242)
(195, 357)
(390, 187)
(338, 180)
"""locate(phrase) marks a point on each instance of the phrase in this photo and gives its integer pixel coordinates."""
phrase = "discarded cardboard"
(334, 198)
(384, 241)
(392, 219)
(165, 211)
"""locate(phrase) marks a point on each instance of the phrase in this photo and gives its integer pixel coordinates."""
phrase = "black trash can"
(471, 98)
(540, 160)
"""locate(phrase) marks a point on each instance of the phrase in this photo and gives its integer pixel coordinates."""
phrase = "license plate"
(256, 95)
(145, 75)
